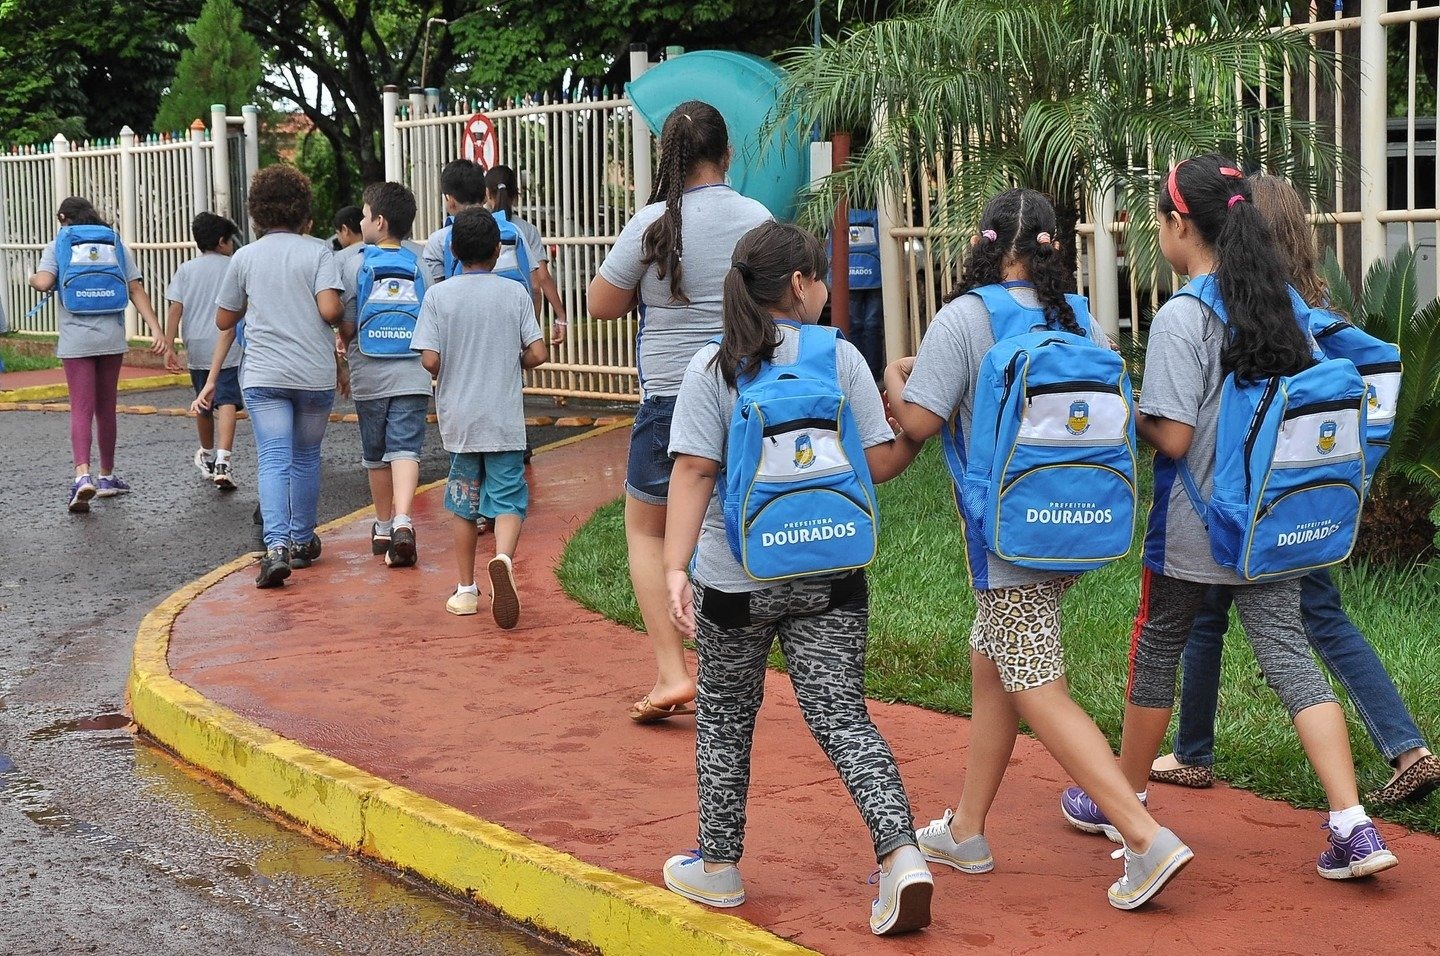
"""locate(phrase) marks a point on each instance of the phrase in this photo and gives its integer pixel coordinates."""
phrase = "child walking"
(502, 190)
(1210, 227)
(88, 256)
(390, 386)
(477, 334)
(1341, 647)
(286, 288)
(775, 286)
(1017, 659)
(191, 314)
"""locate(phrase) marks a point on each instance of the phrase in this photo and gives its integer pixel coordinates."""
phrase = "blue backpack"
(91, 263)
(1048, 481)
(514, 261)
(388, 301)
(1378, 363)
(1289, 464)
(798, 498)
(864, 250)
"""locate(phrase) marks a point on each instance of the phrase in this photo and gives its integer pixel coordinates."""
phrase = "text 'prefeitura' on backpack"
(388, 297)
(1048, 478)
(1289, 464)
(797, 493)
(91, 267)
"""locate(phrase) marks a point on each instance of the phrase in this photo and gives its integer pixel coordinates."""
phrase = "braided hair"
(695, 133)
(1019, 225)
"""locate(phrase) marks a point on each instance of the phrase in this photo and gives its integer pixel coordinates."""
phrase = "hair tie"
(744, 269)
(988, 235)
(1233, 200)
(1043, 238)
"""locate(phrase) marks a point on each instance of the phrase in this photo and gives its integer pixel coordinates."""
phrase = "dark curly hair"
(1017, 218)
(279, 198)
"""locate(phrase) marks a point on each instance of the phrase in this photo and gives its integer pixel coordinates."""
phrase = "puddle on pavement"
(82, 725)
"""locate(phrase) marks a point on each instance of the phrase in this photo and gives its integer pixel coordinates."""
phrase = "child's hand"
(682, 601)
(203, 400)
(172, 362)
(558, 328)
(342, 380)
(161, 345)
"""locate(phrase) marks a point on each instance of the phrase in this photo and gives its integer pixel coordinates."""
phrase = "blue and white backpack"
(1378, 363)
(797, 493)
(514, 261)
(91, 264)
(1048, 481)
(1289, 463)
(387, 299)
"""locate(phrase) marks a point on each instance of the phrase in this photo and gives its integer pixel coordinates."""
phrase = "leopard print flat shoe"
(1196, 778)
(1415, 784)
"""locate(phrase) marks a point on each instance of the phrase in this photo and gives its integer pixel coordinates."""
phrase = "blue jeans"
(289, 424)
(1344, 651)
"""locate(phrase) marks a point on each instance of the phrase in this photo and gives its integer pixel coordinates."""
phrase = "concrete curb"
(48, 393)
(525, 881)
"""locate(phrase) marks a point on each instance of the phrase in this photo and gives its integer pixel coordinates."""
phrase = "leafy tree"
(222, 65)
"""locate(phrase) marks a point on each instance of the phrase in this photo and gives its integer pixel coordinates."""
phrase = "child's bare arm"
(535, 354)
(918, 423)
(227, 319)
(691, 485)
(332, 310)
(1169, 437)
(430, 360)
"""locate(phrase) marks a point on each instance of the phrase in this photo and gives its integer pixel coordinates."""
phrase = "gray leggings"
(821, 625)
(1270, 613)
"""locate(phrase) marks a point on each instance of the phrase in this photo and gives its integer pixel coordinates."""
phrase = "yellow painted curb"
(48, 393)
(524, 880)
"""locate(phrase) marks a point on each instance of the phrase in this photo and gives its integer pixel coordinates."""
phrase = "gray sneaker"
(1146, 874)
(686, 875)
(939, 846)
(904, 901)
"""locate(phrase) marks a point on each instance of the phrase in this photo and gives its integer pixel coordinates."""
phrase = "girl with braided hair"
(671, 261)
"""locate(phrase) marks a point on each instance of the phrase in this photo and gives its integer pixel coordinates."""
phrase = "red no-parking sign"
(478, 143)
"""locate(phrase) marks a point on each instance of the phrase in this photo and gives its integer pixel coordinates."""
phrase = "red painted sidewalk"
(56, 376)
(527, 729)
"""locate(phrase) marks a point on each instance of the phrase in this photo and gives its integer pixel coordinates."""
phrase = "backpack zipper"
(1266, 401)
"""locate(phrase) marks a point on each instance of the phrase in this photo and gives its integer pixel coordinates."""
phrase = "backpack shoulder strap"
(817, 350)
(1008, 318)
(1207, 290)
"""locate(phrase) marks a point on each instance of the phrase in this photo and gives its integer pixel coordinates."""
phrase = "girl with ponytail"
(502, 191)
(1017, 664)
(776, 284)
(1210, 226)
(671, 260)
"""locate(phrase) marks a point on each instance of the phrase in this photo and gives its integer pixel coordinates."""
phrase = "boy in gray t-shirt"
(477, 334)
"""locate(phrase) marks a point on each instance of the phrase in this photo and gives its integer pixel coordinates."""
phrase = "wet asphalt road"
(108, 845)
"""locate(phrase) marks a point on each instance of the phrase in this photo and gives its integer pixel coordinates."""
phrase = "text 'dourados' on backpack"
(1048, 479)
(513, 263)
(1289, 464)
(798, 498)
(1378, 363)
(91, 265)
(388, 301)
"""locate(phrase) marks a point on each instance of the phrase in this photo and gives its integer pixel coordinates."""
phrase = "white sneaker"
(687, 876)
(904, 901)
(222, 477)
(463, 603)
(938, 845)
(204, 464)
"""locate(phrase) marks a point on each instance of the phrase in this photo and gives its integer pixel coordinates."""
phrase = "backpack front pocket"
(1308, 526)
(815, 528)
(1064, 517)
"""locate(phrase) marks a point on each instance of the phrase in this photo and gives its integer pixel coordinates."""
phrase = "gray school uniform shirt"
(1183, 379)
(479, 323)
(372, 378)
(712, 220)
(84, 336)
(275, 280)
(701, 427)
(434, 255)
(943, 383)
(194, 287)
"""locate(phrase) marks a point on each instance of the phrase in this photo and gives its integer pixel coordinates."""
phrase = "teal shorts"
(486, 484)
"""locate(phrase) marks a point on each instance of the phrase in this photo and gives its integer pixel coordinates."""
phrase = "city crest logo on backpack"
(1372, 397)
(804, 452)
(1326, 444)
(392, 288)
(1079, 421)
(93, 254)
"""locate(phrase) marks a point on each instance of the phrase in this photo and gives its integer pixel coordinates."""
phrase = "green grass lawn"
(19, 362)
(921, 608)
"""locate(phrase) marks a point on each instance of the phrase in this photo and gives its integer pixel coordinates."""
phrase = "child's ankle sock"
(385, 527)
(1142, 796)
(471, 588)
(209, 453)
(403, 521)
(222, 455)
(1344, 822)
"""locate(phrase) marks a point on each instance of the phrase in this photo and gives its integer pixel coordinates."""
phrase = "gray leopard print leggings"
(821, 625)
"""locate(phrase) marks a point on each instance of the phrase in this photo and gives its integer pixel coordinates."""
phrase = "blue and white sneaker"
(1362, 853)
(112, 485)
(1083, 814)
(80, 494)
(686, 875)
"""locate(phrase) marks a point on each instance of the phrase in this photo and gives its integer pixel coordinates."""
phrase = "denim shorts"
(647, 473)
(227, 387)
(391, 429)
(486, 484)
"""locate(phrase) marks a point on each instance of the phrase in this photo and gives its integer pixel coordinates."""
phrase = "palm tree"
(1070, 97)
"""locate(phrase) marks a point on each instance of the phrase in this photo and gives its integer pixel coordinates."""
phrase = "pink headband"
(1173, 187)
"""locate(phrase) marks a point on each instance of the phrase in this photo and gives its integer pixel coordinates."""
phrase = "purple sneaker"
(80, 494)
(1082, 813)
(112, 485)
(1362, 853)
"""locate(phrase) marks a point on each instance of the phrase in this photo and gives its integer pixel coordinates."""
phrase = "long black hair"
(695, 133)
(1019, 224)
(1215, 196)
(78, 211)
(500, 182)
(758, 281)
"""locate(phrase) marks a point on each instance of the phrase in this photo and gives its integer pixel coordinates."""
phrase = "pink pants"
(94, 382)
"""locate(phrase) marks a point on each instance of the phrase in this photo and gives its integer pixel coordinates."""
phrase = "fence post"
(199, 186)
(128, 231)
(432, 99)
(251, 113)
(1373, 110)
(1104, 264)
(60, 146)
(639, 132)
(220, 158)
(391, 99)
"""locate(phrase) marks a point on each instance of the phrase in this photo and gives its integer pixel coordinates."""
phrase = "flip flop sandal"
(645, 712)
(1416, 783)
(1196, 778)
